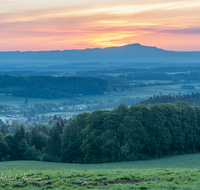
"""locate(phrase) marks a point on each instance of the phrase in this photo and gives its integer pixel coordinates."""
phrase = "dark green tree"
(72, 139)
(4, 149)
(31, 153)
(22, 148)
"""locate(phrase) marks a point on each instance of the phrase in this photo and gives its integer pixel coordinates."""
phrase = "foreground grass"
(104, 179)
(175, 172)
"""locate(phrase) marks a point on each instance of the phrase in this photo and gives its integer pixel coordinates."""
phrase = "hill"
(133, 53)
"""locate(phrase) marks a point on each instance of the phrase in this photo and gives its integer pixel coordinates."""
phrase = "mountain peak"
(137, 45)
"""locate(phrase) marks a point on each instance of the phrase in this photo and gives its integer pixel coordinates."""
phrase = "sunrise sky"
(78, 24)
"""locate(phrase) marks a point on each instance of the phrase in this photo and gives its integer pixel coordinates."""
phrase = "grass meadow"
(141, 92)
(174, 172)
(190, 161)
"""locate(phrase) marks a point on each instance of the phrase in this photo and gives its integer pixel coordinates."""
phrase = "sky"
(35, 25)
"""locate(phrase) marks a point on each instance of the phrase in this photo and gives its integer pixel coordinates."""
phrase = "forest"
(52, 87)
(192, 99)
(123, 134)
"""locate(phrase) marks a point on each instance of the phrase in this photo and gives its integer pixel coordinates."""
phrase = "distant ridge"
(127, 53)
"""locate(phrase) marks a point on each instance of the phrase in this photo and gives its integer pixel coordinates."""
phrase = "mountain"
(130, 53)
(133, 53)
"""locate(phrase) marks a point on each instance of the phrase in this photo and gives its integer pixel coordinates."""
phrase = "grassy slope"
(190, 161)
(175, 172)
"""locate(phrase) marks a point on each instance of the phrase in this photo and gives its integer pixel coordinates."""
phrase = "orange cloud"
(173, 25)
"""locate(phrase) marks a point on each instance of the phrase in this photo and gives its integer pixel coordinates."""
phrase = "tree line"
(138, 70)
(53, 87)
(192, 99)
(123, 134)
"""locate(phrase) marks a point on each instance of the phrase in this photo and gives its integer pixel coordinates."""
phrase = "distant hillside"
(50, 87)
(128, 53)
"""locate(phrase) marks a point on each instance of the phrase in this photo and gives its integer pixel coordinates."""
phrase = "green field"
(141, 92)
(191, 161)
(175, 172)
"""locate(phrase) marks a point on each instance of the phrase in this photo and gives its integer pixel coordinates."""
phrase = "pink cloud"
(78, 29)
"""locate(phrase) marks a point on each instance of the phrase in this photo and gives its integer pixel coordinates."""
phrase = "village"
(31, 114)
